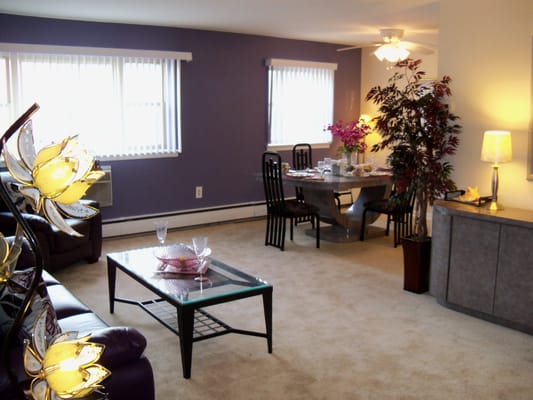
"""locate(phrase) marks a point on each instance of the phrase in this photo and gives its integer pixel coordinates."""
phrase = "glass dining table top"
(314, 180)
(220, 279)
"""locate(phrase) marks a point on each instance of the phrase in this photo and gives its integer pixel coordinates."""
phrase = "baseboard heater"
(102, 190)
(183, 219)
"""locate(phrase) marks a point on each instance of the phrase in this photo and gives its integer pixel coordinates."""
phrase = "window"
(300, 103)
(121, 103)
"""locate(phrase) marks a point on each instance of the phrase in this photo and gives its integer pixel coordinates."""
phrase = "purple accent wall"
(224, 93)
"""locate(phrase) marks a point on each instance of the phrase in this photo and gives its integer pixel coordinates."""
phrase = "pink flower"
(352, 134)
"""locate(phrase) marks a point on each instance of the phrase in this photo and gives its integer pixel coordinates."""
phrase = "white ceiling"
(348, 22)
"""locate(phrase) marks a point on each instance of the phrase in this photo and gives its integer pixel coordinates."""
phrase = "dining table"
(344, 223)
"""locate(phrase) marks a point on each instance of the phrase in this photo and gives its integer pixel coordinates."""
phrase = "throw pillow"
(12, 188)
(12, 295)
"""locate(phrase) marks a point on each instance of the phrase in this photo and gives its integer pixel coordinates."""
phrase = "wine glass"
(199, 244)
(328, 164)
(321, 166)
(161, 231)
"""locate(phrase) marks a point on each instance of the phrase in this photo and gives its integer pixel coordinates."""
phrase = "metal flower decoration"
(65, 369)
(53, 179)
(9, 254)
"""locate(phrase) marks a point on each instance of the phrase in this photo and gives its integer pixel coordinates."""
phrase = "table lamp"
(496, 149)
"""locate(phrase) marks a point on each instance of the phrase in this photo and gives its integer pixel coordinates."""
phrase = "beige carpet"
(343, 328)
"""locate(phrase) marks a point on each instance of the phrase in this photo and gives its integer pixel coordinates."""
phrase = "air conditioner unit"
(102, 190)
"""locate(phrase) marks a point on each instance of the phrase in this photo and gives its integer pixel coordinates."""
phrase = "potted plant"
(420, 131)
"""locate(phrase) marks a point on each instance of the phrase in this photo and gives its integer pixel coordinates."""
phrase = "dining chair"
(302, 158)
(280, 209)
(340, 195)
(398, 208)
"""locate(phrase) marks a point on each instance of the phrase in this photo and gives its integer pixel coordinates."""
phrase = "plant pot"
(416, 260)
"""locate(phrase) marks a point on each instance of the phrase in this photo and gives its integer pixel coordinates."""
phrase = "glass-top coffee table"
(183, 295)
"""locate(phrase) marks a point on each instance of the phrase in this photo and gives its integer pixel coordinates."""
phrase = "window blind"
(121, 106)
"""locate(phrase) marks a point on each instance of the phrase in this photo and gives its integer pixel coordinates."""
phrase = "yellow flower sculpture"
(53, 179)
(66, 369)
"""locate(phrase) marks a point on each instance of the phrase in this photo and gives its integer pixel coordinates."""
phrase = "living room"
(488, 55)
(206, 90)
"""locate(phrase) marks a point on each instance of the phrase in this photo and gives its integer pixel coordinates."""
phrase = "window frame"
(278, 62)
(15, 107)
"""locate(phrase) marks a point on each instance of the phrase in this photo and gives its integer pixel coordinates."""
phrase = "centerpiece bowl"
(180, 258)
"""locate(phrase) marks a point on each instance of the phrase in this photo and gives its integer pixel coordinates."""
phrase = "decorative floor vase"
(416, 261)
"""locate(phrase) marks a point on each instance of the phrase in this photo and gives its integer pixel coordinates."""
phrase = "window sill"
(286, 147)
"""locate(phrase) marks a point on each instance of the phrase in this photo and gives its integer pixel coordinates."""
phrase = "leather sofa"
(58, 248)
(131, 372)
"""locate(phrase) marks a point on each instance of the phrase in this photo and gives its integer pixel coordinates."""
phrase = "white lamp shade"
(391, 52)
(496, 147)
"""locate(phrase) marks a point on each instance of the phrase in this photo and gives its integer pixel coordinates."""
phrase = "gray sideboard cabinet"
(482, 263)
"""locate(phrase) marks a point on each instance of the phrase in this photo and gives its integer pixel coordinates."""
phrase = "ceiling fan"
(391, 47)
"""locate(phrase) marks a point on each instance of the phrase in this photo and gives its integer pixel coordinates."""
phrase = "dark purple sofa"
(131, 372)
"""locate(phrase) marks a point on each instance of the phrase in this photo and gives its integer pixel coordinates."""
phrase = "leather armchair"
(59, 249)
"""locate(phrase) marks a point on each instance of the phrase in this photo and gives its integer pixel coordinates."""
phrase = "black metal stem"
(34, 244)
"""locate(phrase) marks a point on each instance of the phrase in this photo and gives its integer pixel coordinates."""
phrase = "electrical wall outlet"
(199, 192)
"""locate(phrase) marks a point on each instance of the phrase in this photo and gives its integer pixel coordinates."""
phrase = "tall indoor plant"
(420, 131)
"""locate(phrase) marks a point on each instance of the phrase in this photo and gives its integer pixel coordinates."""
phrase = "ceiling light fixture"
(392, 52)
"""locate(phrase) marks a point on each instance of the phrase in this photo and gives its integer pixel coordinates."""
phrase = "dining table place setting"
(309, 173)
(367, 169)
(337, 169)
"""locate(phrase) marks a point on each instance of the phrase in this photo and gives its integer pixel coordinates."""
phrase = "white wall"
(486, 47)
(375, 72)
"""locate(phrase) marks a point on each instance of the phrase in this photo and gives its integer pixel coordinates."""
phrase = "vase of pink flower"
(352, 135)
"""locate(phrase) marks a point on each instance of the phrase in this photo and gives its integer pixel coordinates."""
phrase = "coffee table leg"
(267, 306)
(111, 278)
(185, 327)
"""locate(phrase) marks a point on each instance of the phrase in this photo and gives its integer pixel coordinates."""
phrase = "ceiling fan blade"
(360, 46)
(418, 47)
(349, 48)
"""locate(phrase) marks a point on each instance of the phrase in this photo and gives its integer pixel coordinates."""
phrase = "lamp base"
(494, 206)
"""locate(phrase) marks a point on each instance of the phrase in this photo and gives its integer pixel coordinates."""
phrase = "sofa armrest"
(8, 223)
(122, 345)
(131, 372)
(37, 222)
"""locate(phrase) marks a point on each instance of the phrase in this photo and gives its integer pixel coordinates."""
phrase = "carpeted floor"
(343, 328)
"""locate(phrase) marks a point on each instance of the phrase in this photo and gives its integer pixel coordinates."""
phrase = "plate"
(180, 258)
(379, 173)
(299, 173)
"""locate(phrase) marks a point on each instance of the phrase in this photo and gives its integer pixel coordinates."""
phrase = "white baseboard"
(144, 224)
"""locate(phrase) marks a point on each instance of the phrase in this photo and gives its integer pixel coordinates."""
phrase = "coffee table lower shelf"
(206, 325)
